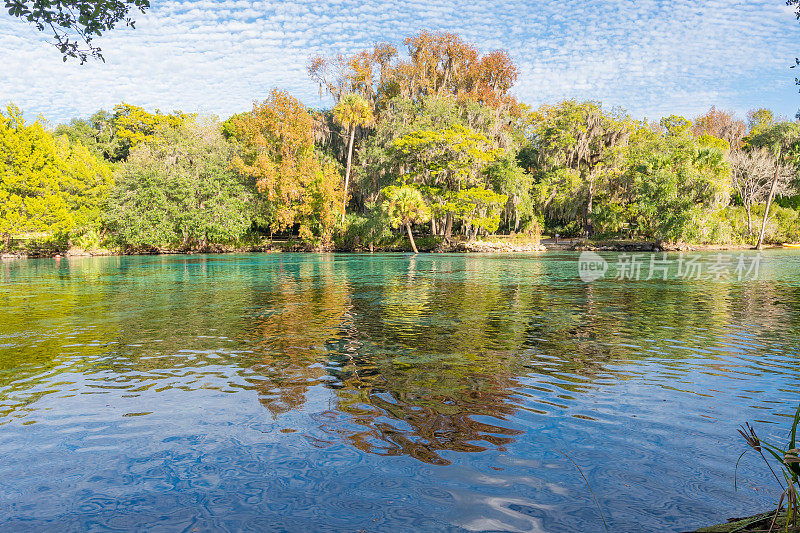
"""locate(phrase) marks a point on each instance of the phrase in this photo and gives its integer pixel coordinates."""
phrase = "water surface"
(305, 392)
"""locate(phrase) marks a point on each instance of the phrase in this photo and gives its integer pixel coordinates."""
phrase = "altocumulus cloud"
(653, 57)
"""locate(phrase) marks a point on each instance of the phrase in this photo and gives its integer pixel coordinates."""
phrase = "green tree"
(479, 208)
(666, 177)
(759, 119)
(351, 112)
(445, 161)
(405, 206)
(46, 184)
(506, 176)
(87, 180)
(577, 145)
(178, 188)
(76, 22)
(443, 144)
(97, 134)
(133, 126)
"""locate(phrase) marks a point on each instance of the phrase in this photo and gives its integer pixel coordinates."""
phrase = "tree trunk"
(448, 227)
(411, 238)
(769, 200)
(587, 213)
(347, 172)
(747, 208)
(7, 242)
(433, 225)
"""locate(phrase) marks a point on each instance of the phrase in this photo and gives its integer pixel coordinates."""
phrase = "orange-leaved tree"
(438, 63)
(297, 184)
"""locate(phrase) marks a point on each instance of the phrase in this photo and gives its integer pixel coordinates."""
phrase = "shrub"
(91, 240)
(362, 232)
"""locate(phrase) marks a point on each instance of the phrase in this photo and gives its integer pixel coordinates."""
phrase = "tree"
(442, 63)
(576, 143)
(178, 188)
(506, 176)
(753, 172)
(759, 120)
(443, 88)
(405, 206)
(351, 112)
(296, 183)
(438, 64)
(88, 178)
(133, 126)
(664, 178)
(782, 139)
(113, 135)
(97, 134)
(450, 157)
(720, 124)
(356, 74)
(479, 208)
(445, 161)
(76, 22)
(47, 185)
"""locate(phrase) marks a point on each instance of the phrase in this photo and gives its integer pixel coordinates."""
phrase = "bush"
(787, 225)
(729, 225)
(46, 245)
(718, 226)
(362, 232)
(572, 229)
(91, 240)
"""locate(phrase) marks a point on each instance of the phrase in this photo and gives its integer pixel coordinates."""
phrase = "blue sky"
(652, 57)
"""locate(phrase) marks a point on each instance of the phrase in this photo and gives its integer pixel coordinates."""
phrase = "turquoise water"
(307, 392)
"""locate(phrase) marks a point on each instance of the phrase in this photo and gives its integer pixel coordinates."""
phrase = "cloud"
(651, 57)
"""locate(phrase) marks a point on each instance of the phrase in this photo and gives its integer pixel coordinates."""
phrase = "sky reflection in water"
(384, 392)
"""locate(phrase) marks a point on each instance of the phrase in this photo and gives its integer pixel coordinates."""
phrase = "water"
(385, 393)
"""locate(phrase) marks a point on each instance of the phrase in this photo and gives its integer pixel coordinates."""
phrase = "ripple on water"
(375, 392)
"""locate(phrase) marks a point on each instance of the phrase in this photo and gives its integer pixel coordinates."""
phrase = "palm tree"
(404, 206)
(352, 111)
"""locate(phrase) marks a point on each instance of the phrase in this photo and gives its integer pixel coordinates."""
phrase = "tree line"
(430, 141)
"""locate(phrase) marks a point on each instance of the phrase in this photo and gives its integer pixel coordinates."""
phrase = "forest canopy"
(422, 141)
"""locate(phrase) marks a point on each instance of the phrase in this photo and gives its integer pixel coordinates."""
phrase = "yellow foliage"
(298, 184)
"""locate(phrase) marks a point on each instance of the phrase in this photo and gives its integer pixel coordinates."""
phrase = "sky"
(651, 57)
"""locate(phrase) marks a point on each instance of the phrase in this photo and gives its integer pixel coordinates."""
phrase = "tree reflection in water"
(416, 356)
(438, 355)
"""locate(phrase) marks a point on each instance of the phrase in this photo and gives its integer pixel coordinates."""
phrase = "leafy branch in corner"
(75, 23)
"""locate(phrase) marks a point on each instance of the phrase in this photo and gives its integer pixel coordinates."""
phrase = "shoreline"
(498, 246)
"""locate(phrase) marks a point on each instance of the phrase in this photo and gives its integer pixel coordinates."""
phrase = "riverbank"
(649, 246)
(425, 244)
